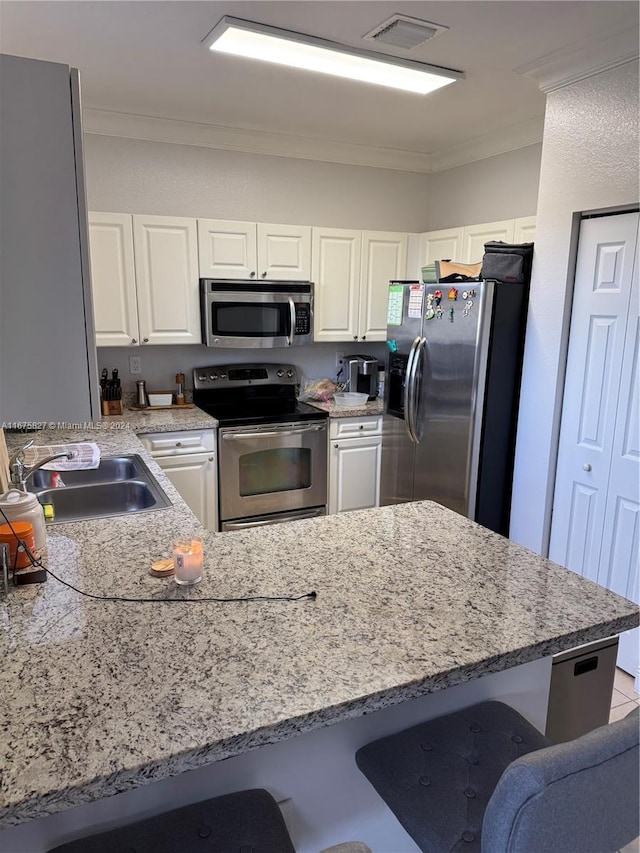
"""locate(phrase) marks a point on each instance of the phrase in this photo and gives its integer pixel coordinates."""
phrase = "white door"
(336, 274)
(113, 279)
(166, 259)
(524, 229)
(475, 236)
(446, 244)
(354, 474)
(384, 257)
(196, 479)
(596, 505)
(227, 249)
(284, 252)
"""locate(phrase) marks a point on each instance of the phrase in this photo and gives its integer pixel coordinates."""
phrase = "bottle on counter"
(24, 506)
(180, 400)
(141, 394)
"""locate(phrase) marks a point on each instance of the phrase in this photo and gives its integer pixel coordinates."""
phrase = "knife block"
(112, 407)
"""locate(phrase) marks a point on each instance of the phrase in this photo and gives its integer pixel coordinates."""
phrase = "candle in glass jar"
(187, 558)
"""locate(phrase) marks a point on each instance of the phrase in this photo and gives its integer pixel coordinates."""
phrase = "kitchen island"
(414, 604)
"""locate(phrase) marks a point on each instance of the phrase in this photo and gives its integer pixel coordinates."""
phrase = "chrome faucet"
(20, 472)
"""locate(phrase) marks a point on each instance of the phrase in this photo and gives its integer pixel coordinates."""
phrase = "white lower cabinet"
(355, 457)
(189, 460)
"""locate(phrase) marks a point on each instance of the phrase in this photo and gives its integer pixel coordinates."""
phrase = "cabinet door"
(354, 474)
(195, 477)
(113, 279)
(284, 252)
(524, 229)
(166, 261)
(336, 274)
(446, 244)
(475, 236)
(384, 257)
(227, 249)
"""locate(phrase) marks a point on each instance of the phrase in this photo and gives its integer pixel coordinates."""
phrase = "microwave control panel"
(303, 318)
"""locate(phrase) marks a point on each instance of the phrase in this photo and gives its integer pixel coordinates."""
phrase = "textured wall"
(181, 180)
(589, 162)
(500, 187)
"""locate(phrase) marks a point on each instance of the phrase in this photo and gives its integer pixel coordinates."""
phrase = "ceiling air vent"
(405, 32)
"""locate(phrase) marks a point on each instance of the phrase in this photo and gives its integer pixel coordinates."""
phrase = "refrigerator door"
(404, 325)
(449, 406)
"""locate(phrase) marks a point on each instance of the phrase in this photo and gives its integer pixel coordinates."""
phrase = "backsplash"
(161, 363)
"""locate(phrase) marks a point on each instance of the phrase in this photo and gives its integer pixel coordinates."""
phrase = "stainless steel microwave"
(239, 313)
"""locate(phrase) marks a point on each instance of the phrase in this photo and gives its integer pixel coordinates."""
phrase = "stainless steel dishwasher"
(581, 689)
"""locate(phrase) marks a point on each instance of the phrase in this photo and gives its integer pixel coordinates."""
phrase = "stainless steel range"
(272, 449)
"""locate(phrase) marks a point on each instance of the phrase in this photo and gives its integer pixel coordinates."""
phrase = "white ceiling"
(146, 59)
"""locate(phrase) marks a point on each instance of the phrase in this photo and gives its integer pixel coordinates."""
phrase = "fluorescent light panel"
(258, 41)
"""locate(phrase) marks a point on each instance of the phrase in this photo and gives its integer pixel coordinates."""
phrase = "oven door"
(239, 314)
(272, 468)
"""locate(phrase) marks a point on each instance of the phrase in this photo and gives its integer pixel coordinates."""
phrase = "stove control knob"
(222, 376)
(213, 376)
(280, 373)
(289, 374)
(202, 377)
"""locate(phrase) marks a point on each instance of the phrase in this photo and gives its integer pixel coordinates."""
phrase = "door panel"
(444, 244)
(284, 252)
(336, 273)
(384, 258)
(227, 249)
(596, 502)
(475, 236)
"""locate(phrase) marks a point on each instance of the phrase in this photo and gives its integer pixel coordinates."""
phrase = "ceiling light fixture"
(258, 41)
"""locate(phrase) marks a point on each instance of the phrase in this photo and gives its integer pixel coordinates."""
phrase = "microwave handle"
(292, 315)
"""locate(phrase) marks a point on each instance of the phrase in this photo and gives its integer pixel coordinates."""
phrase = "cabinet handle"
(355, 337)
(134, 341)
(364, 337)
(336, 446)
(361, 426)
(211, 458)
(178, 444)
(252, 275)
(145, 340)
(264, 274)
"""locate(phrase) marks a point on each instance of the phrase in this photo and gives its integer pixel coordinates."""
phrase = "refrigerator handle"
(415, 390)
(409, 390)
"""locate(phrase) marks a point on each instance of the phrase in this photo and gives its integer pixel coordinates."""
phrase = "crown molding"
(584, 59)
(107, 123)
(510, 138)
(154, 129)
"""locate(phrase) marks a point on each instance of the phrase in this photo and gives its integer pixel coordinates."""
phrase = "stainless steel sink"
(119, 486)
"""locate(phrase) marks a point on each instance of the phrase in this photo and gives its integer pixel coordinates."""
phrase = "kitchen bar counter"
(100, 697)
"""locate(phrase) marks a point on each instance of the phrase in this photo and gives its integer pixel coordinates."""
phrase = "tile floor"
(624, 696)
(623, 699)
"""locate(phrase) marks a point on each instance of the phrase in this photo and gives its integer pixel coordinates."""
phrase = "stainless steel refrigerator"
(451, 396)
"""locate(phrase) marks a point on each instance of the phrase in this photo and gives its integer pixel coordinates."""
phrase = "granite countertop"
(102, 696)
(374, 407)
(158, 420)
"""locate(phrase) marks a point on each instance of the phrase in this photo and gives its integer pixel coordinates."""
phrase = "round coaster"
(162, 568)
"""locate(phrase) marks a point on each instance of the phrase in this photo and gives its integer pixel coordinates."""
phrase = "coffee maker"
(362, 374)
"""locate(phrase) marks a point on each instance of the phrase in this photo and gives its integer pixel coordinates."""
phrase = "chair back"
(575, 797)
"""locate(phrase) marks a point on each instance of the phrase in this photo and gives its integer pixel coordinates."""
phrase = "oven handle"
(294, 516)
(232, 436)
(292, 315)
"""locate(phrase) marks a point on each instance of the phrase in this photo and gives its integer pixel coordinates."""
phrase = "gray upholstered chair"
(242, 822)
(484, 779)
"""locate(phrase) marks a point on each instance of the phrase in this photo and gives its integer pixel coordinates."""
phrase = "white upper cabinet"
(227, 249)
(475, 236)
(524, 229)
(336, 274)
(246, 250)
(351, 271)
(466, 245)
(284, 252)
(384, 258)
(166, 262)
(113, 279)
(445, 244)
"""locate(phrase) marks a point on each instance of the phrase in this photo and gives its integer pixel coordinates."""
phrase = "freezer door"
(449, 407)
(398, 462)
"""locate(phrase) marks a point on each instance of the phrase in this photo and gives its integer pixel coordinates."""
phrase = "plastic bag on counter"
(319, 390)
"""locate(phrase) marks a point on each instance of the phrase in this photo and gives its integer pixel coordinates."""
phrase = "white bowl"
(160, 399)
(350, 399)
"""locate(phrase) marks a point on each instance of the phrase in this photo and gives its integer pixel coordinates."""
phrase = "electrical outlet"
(339, 359)
(135, 364)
